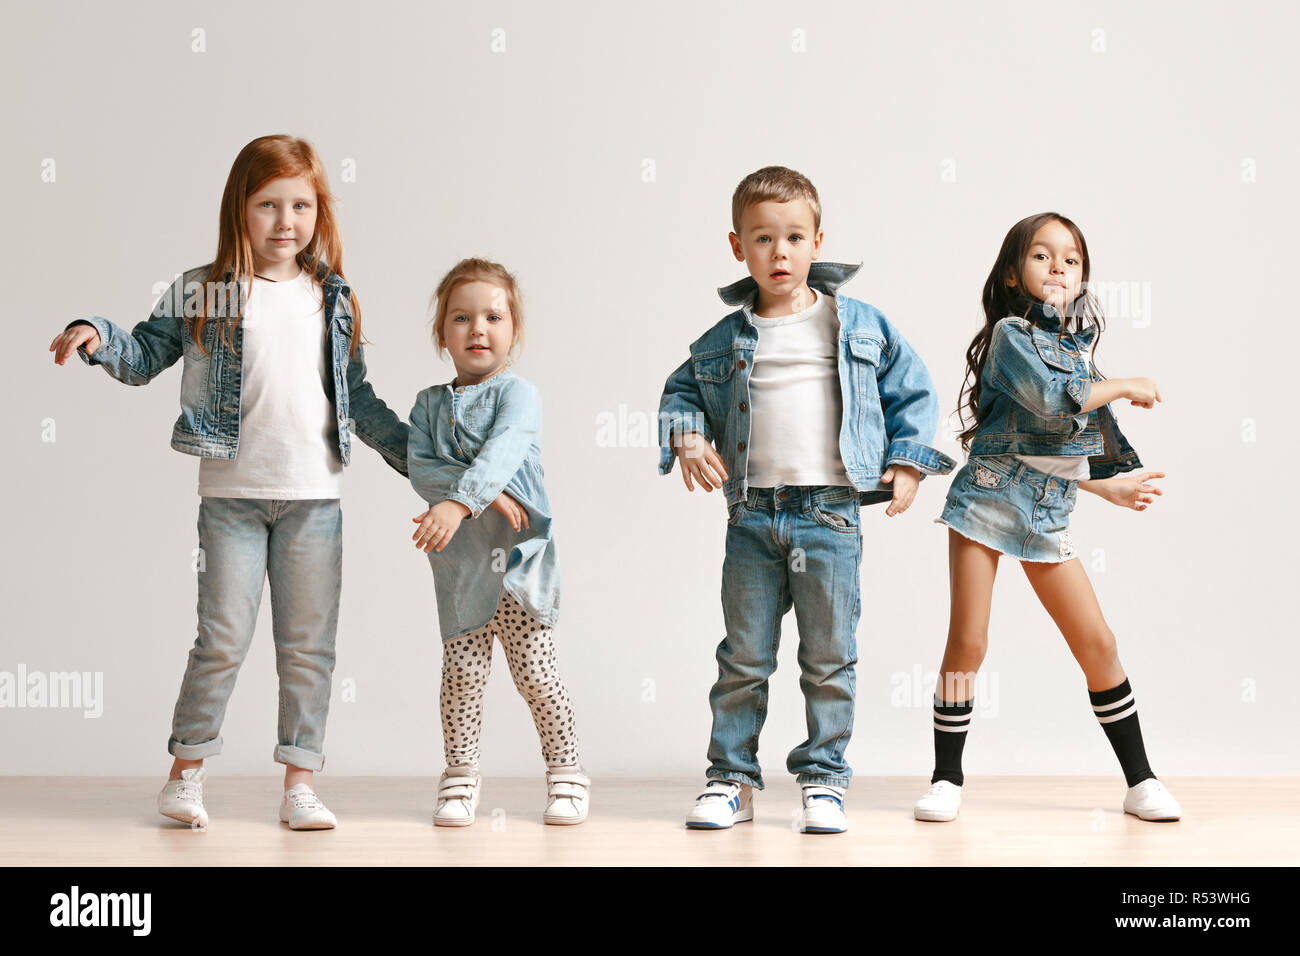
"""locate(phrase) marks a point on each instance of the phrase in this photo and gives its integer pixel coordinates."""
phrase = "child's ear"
(1011, 280)
(736, 249)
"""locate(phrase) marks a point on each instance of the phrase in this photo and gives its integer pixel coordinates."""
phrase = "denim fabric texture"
(211, 378)
(298, 547)
(1005, 504)
(890, 407)
(468, 444)
(1034, 383)
(801, 547)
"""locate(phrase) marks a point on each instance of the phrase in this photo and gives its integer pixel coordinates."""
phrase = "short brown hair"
(476, 270)
(776, 183)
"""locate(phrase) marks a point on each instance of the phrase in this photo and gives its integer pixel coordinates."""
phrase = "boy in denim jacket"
(816, 406)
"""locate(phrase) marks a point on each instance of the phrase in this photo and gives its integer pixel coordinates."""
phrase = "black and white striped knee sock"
(951, 721)
(1117, 713)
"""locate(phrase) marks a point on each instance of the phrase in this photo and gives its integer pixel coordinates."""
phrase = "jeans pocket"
(981, 476)
(833, 520)
(735, 511)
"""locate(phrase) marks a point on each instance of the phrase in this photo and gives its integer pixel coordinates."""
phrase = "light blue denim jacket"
(211, 383)
(890, 409)
(1034, 383)
(469, 443)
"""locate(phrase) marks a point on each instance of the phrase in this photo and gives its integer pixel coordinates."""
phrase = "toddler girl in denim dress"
(474, 455)
(1042, 429)
(274, 383)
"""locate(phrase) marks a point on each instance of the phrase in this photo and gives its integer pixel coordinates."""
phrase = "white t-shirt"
(288, 434)
(1062, 466)
(795, 404)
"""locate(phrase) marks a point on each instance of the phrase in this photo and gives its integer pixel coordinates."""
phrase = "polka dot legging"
(530, 652)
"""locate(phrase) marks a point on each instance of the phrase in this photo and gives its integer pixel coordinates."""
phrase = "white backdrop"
(592, 149)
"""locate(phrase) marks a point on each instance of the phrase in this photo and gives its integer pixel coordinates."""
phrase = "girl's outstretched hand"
(69, 340)
(1132, 492)
(511, 508)
(438, 525)
(1143, 393)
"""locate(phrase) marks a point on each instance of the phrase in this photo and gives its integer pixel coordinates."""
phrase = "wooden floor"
(94, 821)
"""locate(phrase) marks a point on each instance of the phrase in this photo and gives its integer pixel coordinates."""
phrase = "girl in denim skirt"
(1042, 428)
(273, 385)
(474, 458)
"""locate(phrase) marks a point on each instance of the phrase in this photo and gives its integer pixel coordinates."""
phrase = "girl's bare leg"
(971, 570)
(1067, 595)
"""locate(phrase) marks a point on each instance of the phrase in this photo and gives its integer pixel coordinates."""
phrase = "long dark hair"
(1001, 298)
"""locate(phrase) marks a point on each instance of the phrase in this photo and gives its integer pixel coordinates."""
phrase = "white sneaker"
(723, 803)
(457, 797)
(1149, 800)
(940, 803)
(183, 799)
(302, 810)
(568, 796)
(823, 810)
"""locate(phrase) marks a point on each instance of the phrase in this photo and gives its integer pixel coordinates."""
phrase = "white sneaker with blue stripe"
(823, 810)
(722, 804)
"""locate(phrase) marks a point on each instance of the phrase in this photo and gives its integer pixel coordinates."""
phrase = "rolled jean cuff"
(209, 748)
(306, 759)
(821, 780)
(736, 777)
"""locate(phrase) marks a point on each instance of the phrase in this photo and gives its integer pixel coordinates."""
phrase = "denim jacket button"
(740, 447)
(744, 407)
(740, 364)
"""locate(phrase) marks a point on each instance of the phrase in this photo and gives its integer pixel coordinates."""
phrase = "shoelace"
(185, 790)
(306, 801)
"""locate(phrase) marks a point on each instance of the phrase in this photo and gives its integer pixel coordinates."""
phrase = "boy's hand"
(1131, 492)
(69, 340)
(438, 525)
(905, 478)
(1143, 392)
(700, 462)
(511, 508)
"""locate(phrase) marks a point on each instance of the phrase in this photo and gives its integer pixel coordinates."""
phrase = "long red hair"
(264, 159)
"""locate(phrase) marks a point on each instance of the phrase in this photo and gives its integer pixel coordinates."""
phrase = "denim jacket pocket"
(714, 373)
(866, 362)
(1051, 353)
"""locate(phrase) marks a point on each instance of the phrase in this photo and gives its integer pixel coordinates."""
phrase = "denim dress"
(468, 444)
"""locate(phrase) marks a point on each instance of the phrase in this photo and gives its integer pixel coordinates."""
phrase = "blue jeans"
(799, 546)
(298, 546)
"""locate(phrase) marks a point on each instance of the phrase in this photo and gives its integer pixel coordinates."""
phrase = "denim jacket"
(468, 444)
(1034, 383)
(890, 410)
(211, 379)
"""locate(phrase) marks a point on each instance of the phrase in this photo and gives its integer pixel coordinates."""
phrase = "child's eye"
(1073, 262)
(301, 205)
(459, 318)
(762, 239)
(495, 318)
(1040, 255)
(796, 237)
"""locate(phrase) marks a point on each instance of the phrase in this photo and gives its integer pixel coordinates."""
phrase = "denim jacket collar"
(1048, 319)
(822, 276)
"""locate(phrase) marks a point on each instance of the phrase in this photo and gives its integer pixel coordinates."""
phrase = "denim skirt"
(1004, 504)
